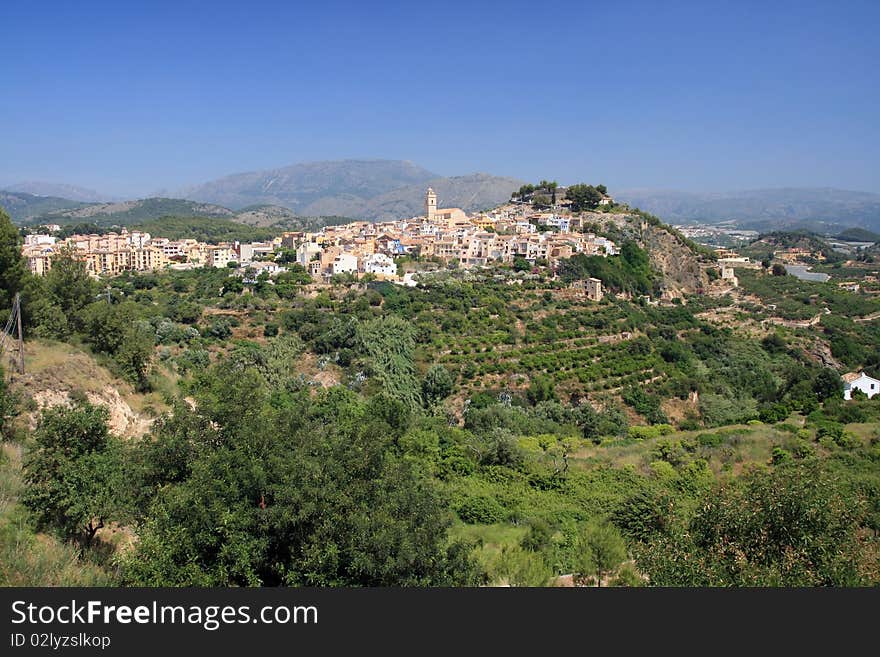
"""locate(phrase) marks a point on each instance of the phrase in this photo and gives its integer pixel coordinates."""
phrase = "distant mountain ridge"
(60, 190)
(392, 189)
(299, 185)
(363, 189)
(825, 209)
(22, 206)
(478, 191)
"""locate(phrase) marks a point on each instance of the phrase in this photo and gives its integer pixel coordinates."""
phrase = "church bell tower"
(430, 204)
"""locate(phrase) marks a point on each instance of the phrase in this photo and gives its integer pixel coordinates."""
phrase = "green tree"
(796, 525)
(583, 197)
(515, 566)
(8, 407)
(778, 270)
(541, 389)
(69, 287)
(521, 264)
(437, 385)
(74, 476)
(304, 491)
(14, 273)
(116, 330)
(601, 550)
(540, 202)
(828, 384)
(389, 345)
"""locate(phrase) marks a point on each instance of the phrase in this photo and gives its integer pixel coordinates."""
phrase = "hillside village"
(445, 235)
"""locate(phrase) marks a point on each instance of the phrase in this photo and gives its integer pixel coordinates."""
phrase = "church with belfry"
(448, 218)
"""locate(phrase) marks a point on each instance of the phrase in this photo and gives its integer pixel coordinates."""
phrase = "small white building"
(271, 268)
(344, 263)
(307, 252)
(39, 240)
(379, 263)
(247, 252)
(859, 381)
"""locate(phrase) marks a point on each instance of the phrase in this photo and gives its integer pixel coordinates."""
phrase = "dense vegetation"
(204, 229)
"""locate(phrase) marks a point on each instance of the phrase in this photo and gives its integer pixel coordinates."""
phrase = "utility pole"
(17, 312)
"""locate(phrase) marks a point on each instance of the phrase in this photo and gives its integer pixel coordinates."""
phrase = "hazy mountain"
(364, 189)
(822, 208)
(22, 206)
(72, 192)
(478, 191)
(300, 185)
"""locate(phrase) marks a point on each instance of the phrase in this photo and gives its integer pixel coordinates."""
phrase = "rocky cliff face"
(669, 255)
(679, 265)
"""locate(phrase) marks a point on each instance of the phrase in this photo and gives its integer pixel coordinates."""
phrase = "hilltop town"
(445, 235)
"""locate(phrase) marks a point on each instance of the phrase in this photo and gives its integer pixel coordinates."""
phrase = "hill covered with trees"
(483, 427)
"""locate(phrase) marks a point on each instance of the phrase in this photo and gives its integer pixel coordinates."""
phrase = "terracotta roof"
(851, 376)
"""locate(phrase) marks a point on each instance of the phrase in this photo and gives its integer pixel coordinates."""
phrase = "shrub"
(480, 509)
(647, 433)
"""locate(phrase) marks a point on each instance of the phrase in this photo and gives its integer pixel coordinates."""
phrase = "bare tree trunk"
(92, 529)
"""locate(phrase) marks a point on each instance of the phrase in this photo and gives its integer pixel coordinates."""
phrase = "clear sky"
(132, 97)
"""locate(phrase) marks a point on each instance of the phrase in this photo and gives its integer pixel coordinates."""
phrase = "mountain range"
(364, 189)
(361, 189)
(393, 189)
(60, 190)
(819, 209)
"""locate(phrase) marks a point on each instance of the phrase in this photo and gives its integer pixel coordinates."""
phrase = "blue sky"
(133, 97)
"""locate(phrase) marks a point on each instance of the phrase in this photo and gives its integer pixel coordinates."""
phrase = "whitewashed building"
(379, 263)
(344, 263)
(860, 381)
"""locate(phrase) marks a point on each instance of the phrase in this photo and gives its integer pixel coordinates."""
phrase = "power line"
(13, 324)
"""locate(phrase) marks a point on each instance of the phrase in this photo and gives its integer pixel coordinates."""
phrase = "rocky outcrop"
(122, 420)
(679, 265)
(670, 255)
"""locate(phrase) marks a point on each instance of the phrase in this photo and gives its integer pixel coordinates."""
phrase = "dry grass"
(54, 370)
(28, 558)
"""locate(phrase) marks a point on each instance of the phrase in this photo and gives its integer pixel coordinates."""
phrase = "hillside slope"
(130, 212)
(54, 371)
(673, 257)
(22, 206)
